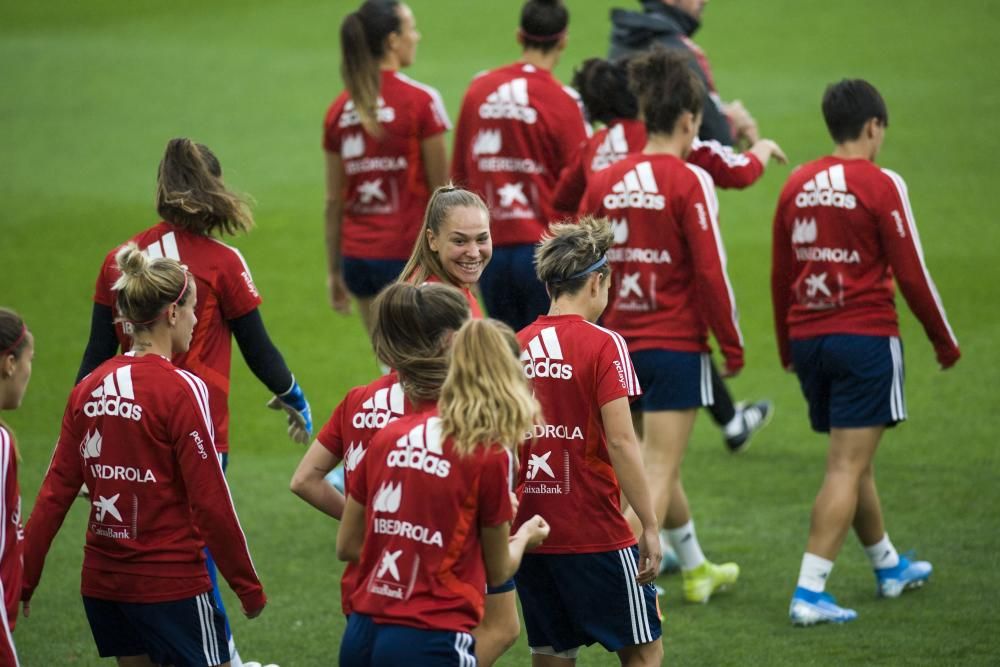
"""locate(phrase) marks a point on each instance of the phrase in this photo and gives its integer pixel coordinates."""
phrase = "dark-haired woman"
(670, 288)
(385, 153)
(139, 432)
(17, 349)
(517, 129)
(197, 209)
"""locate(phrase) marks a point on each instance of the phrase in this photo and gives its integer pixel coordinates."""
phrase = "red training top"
(139, 433)
(225, 292)
(422, 560)
(670, 284)
(565, 472)
(11, 546)
(517, 129)
(610, 144)
(386, 191)
(842, 231)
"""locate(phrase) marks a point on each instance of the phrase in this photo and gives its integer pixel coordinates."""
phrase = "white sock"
(882, 554)
(735, 425)
(685, 543)
(814, 572)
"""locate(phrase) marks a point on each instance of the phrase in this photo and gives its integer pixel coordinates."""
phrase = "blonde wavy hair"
(486, 398)
(147, 286)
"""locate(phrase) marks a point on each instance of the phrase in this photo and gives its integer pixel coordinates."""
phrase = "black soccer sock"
(722, 410)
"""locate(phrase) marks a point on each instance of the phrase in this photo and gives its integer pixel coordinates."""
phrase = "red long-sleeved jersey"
(670, 284)
(11, 543)
(622, 136)
(843, 230)
(139, 433)
(517, 129)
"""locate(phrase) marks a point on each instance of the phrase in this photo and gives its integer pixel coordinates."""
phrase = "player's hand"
(294, 403)
(766, 149)
(26, 608)
(742, 123)
(731, 369)
(948, 358)
(650, 554)
(253, 613)
(340, 296)
(535, 529)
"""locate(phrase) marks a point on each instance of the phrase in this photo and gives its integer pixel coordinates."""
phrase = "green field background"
(91, 91)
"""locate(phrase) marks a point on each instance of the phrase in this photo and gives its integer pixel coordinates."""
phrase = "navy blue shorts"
(673, 380)
(367, 644)
(511, 290)
(184, 633)
(851, 381)
(366, 277)
(572, 600)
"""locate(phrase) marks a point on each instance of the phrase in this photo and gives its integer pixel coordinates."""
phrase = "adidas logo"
(637, 189)
(804, 231)
(388, 404)
(353, 146)
(827, 188)
(421, 449)
(620, 230)
(612, 149)
(90, 448)
(509, 102)
(543, 358)
(114, 396)
(353, 456)
(488, 142)
(165, 247)
(388, 497)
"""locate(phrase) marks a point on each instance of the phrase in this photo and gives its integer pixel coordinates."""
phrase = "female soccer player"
(139, 432)
(517, 129)
(17, 349)
(385, 153)
(670, 287)
(843, 230)
(197, 208)
(589, 582)
(603, 86)
(428, 513)
(454, 244)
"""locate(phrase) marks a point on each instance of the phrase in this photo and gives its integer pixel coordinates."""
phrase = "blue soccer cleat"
(892, 581)
(811, 608)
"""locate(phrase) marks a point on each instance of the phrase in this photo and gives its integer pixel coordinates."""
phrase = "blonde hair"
(147, 286)
(190, 192)
(486, 398)
(424, 262)
(411, 330)
(567, 249)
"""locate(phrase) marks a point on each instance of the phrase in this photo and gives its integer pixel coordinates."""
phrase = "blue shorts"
(367, 644)
(511, 290)
(673, 380)
(572, 600)
(851, 381)
(366, 277)
(185, 633)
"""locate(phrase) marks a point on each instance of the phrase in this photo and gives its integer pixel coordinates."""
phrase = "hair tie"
(172, 303)
(523, 34)
(13, 346)
(590, 269)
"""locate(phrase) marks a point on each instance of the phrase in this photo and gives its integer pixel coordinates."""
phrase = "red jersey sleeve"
(238, 294)
(717, 304)
(11, 554)
(208, 493)
(331, 435)
(102, 289)
(494, 487)
(331, 131)
(782, 276)
(615, 376)
(432, 117)
(727, 168)
(59, 489)
(459, 170)
(570, 130)
(359, 479)
(898, 232)
(572, 183)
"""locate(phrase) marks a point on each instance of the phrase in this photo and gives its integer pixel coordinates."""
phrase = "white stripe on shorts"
(897, 402)
(209, 638)
(463, 640)
(707, 395)
(641, 633)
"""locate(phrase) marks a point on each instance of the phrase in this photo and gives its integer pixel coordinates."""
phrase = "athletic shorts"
(851, 381)
(572, 600)
(370, 644)
(511, 289)
(184, 633)
(366, 277)
(673, 380)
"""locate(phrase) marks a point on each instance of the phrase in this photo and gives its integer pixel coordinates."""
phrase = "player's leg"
(358, 641)
(740, 421)
(213, 573)
(649, 654)
(135, 661)
(500, 626)
(190, 631)
(548, 618)
(666, 436)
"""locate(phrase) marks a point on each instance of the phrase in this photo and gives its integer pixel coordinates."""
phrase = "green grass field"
(90, 93)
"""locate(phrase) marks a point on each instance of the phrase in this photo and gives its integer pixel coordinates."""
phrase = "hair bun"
(131, 261)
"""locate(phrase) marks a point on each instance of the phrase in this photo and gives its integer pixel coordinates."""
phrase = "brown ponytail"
(362, 45)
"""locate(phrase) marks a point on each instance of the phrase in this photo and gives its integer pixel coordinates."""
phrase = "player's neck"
(568, 305)
(668, 144)
(854, 150)
(156, 341)
(546, 60)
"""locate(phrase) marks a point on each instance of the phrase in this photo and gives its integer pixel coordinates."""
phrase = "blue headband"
(590, 269)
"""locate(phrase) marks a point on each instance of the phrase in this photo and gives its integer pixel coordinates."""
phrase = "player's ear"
(432, 241)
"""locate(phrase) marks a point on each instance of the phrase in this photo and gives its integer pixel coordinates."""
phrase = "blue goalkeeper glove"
(294, 402)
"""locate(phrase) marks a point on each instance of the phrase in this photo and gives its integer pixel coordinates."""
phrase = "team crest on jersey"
(509, 102)
(543, 357)
(421, 449)
(547, 474)
(637, 189)
(384, 406)
(392, 578)
(827, 188)
(115, 397)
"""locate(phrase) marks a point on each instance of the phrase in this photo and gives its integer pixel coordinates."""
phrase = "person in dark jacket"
(673, 23)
